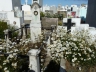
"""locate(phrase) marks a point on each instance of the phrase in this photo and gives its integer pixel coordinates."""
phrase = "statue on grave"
(35, 26)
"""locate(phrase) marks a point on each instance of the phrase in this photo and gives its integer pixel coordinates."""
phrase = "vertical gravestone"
(35, 26)
(91, 13)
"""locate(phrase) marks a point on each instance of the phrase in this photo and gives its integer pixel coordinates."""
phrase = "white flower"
(58, 50)
(1, 47)
(79, 68)
(10, 56)
(14, 64)
(73, 60)
(84, 59)
(14, 54)
(73, 64)
(0, 67)
(81, 58)
(15, 50)
(4, 63)
(57, 54)
(79, 54)
(67, 45)
(89, 50)
(5, 68)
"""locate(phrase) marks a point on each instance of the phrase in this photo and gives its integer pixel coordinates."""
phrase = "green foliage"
(60, 16)
(60, 23)
(49, 15)
(12, 28)
(42, 14)
(55, 16)
(3, 26)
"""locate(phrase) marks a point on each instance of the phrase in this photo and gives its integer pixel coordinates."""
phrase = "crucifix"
(69, 24)
(26, 1)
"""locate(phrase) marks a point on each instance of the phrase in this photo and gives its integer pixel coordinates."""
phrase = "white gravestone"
(34, 60)
(65, 20)
(76, 21)
(78, 25)
(35, 26)
(82, 27)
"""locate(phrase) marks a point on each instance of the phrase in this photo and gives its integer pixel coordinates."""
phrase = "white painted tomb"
(11, 17)
(35, 26)
(8, 5)
(76, 21)
(34, 60)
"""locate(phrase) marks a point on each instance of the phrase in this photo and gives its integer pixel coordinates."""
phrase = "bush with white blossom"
(9, 52)
(79, 47)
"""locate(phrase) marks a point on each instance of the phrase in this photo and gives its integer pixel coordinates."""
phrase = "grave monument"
(35, 30)
(35, 26)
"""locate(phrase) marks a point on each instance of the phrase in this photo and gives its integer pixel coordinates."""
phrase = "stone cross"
(26, 1)
(34, 60)
(69, 24)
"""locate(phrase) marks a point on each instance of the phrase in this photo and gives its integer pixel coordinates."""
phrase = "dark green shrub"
(3, 26)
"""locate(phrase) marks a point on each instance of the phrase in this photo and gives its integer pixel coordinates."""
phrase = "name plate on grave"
(18, 14)
(3, 16)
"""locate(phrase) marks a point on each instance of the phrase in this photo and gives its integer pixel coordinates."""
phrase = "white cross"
(26, 1)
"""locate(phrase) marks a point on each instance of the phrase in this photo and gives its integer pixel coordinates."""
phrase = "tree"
(49, 15)
(55, 16)
(42, 15)
(3, 26)
(60, 16)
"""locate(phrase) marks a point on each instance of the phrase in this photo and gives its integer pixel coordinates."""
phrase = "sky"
(58, 2)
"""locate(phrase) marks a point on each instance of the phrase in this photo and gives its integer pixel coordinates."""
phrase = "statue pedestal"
(34, 63)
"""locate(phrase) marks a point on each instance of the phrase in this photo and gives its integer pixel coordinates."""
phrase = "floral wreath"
(35, 13)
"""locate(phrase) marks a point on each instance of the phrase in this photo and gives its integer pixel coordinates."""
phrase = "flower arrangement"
(79, 48)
